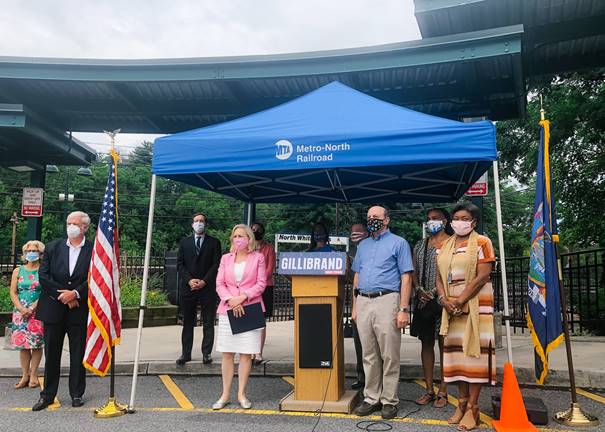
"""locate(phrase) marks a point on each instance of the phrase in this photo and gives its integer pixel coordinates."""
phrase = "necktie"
(198, 244)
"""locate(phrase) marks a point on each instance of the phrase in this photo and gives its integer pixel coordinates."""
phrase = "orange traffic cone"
(513, 417)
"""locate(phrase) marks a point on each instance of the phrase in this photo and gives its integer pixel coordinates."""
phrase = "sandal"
(425, 399)
(470, 420)
(440, 400)
(22, 383)
(33, 383)
(460, 411)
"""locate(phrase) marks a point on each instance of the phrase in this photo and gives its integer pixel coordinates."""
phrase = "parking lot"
(182, 403)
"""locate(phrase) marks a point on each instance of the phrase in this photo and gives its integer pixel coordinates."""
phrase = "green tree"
(575, 106)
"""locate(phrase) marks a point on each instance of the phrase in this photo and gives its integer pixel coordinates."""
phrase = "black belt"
(375, 294)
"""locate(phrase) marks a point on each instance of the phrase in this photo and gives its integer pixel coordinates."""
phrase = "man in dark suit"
(63, 308)
(197, 262)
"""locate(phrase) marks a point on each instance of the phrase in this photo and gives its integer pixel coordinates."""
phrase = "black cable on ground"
(338, 332)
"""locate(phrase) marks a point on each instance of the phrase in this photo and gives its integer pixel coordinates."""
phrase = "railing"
(584, 282)
(583, 278)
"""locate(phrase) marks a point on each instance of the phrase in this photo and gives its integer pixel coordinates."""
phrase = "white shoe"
(245, 403)
(219, 404)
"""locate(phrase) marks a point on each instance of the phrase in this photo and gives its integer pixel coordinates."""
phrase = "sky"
(129, 29)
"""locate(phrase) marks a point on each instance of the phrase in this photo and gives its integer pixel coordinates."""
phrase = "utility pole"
(15, 221)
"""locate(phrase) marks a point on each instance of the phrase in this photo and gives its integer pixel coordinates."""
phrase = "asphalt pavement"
(182, 403)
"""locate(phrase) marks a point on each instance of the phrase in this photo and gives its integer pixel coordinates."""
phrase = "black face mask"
(374, 225)
(258, 235)
(320, 237)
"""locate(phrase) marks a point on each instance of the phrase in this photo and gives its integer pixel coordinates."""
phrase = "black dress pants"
(207, 300)
(54, 336)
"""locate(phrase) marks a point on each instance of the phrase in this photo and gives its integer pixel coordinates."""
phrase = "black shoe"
(365, 409)
(77, 402)
(206, 359)
(388, 411)
(41, 404)
(358, 385)
(182, 360)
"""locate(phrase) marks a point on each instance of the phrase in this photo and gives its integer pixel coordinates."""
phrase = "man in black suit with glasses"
(198, 259)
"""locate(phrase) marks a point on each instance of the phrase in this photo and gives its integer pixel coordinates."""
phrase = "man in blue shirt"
(383, 268)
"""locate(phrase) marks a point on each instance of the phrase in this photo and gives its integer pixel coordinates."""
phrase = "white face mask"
(462, 228)
(198, 227)
(73, 231)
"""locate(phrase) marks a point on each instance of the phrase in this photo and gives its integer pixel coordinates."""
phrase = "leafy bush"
(131, 293)
(6, 305)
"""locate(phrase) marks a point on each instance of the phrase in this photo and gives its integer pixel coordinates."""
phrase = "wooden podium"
(318, 346)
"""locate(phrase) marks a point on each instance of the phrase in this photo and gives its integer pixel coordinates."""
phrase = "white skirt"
(243, 343)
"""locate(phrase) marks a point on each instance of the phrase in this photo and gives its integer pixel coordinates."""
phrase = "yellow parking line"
(176, 393)
(451, 399)
(56, 404)
(592, 396)
(423, 421)
(288, 379)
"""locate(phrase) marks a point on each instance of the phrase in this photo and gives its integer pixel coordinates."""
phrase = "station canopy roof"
(467, 75)
(335, 144)
(28, 142)
(559, 35)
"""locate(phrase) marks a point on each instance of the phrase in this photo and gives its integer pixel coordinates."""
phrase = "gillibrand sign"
(312, 263)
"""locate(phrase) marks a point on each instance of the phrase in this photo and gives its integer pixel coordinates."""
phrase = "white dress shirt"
(74, 253)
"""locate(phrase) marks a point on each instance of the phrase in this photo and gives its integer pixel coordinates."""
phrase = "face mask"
(319, 237)
(462, 228)
(434, 226)
(357, 236)
(73, 231)
(240, 243)
(374, 225)
(198, 227)
(258, 235)
(32, 256)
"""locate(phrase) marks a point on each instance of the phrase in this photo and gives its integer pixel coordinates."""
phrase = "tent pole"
(509, 346)
(250, 213)
(137, 352)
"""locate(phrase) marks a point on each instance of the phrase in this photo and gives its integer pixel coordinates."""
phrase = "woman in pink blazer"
(241, 281)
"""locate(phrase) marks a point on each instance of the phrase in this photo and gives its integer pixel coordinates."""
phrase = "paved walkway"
(161, 346)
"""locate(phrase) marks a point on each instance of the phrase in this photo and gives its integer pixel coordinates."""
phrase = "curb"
(556, 378)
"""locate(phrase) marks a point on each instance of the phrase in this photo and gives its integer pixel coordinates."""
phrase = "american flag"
(105, 311)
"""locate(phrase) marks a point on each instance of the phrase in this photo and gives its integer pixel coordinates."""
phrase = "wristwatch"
(404, 309)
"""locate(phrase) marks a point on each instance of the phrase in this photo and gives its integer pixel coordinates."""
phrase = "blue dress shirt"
(381, 261)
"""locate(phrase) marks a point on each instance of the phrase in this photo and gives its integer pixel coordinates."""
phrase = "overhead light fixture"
(52, 169)
(84, 171)
(21, 168)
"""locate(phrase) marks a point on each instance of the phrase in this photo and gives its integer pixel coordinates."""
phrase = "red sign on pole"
(32, 202)
(479, 188)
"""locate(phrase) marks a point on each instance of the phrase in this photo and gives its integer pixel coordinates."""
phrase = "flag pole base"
(576, 417)
(111, 409)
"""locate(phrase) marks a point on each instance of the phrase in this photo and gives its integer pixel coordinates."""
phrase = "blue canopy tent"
(335, 144)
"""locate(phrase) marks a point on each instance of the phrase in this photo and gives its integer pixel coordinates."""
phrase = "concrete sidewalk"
(161, 346)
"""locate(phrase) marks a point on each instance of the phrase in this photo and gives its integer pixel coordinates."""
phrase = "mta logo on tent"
(283, 149)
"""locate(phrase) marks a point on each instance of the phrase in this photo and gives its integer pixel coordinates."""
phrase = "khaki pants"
(381, 342)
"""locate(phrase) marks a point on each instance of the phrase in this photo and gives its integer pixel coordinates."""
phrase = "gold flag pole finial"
(112, 137)
(542, 112)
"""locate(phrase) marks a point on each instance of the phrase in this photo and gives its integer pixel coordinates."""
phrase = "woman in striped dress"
(465, 291)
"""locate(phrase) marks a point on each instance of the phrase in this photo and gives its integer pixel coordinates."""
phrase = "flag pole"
(112, 408)
(575, 415)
